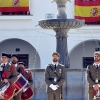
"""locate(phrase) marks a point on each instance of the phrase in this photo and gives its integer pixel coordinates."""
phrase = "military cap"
(4, 54)
(97, 53)
(56, 53)
(14, 55)
(22, 63)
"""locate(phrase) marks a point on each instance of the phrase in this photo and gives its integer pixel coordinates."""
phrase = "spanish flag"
(89, 10)
(14, 5)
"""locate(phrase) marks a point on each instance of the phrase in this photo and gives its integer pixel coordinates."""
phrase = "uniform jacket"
(9, 73)
(92, 74)
(28, 76)
(50, 75)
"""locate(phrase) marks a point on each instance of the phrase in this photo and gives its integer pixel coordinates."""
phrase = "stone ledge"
(69, 70)
(16, 17)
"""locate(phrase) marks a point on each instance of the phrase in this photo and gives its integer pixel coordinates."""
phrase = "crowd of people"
(15, 81)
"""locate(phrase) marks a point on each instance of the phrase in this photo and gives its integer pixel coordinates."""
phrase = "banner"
(14, 5)
(89, 10)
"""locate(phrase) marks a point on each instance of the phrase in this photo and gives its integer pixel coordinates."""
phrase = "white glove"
(53, 87)
(57, 86)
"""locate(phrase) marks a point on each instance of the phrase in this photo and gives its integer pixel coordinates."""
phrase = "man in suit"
(14, 60)
(55, 76)
(8, 72)
(93, 77)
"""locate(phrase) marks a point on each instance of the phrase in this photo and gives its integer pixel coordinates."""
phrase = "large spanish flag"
(14, 5)
(89, 10)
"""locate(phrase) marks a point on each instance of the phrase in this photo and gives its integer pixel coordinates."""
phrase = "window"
(23, 58)
(87, 61)
(15, 13)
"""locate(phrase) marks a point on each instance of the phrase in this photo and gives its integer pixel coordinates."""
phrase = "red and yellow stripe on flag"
(89, 10)
(14, 5)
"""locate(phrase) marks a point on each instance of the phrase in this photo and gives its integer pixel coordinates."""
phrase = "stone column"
(61, 34)
(61, 48)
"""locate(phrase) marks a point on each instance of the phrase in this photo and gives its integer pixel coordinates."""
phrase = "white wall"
(75, 36)
(9, 46)
(44, 44)
(82, 50)
(42, 40)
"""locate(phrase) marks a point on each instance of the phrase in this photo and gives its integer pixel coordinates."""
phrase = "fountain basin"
(61, 23)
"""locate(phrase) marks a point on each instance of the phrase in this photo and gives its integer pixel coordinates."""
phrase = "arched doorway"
(84, 49)
(25, 50)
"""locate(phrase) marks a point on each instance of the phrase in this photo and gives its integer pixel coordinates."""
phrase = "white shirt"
(96, 64)
(1, 69)
(55, 64)
(4, 63)
(16, 65)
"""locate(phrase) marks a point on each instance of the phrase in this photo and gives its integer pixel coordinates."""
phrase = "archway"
(83, 49)
(21, 47)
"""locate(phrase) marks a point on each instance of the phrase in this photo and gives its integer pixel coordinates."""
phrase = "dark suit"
(49, 79)
(11, 76)
(92, 74)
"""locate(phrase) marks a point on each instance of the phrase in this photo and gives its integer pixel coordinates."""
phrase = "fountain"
(61, 26)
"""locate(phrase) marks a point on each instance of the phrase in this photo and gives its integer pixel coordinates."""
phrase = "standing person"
(14, 60)
(55, 76)
(8, 74)
(28, 76)
(93, 77)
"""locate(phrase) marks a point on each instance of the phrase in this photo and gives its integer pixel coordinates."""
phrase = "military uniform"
(28, 76)
(55, 76)
(93, 73)
(26, 95)
(19, 70)
(12, 76)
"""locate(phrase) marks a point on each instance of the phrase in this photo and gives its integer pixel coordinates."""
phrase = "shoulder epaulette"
(48, 65)
(88, 67)
(61, 64)
(9, 64)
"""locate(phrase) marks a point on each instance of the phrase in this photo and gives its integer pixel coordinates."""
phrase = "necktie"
(3, 66)
(55, 66)
(97, 66)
